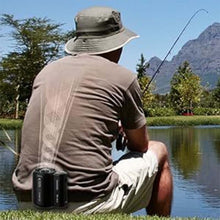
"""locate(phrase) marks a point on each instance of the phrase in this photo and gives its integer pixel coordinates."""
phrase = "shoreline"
(183, 120)
(150, 121)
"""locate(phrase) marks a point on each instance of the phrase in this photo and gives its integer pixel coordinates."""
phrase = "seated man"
(72, 120)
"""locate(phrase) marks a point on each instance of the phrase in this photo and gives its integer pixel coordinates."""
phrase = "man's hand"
(122, 140)
(133, 139)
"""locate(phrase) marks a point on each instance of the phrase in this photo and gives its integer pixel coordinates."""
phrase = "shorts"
(136, 173)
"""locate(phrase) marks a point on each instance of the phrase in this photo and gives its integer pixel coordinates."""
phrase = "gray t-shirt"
(72, 119)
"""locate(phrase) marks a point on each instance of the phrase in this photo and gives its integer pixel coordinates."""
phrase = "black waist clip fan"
(49, 188)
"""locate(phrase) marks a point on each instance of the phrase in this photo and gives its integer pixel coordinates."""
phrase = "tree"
(143, 80)
(37, 42)
(185, 89)
(142, 67)
(206, 99)
(216, 94)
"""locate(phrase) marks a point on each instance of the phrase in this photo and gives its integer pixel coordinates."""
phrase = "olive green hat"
(98, 30)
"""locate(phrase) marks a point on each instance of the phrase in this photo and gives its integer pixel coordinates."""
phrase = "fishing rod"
(162, 62)
(121, 142)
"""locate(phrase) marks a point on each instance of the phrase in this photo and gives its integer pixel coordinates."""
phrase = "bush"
(206, 111)
(153, 112)
(7, 109)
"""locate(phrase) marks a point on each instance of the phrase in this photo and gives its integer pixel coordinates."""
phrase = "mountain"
(203, 55)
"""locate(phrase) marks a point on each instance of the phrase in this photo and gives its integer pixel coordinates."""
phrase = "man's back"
(72, 119)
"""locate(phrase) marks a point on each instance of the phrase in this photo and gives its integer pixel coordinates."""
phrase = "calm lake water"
(195, 163)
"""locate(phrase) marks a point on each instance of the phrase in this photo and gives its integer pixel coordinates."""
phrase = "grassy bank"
(183, 120)
(151, 121)
(8, 215)
(10, 123)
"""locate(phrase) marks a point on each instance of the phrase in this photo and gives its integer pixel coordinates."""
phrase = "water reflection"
(214, 136)
(185, 150)
(7, 164)
(195, 162)
(208, 176)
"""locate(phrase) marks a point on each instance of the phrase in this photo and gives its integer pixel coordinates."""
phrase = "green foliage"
(147, 97)
(143, 79)
(38, 41)
(162, 101)
(8, 109)
(185, 88)
(157, 111)
(206, 111)
(216, 94)
(206, 100)
(142, 67)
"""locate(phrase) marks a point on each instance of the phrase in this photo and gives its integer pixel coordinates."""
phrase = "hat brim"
(99, 45)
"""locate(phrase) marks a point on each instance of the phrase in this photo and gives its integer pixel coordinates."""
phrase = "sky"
(157, 22)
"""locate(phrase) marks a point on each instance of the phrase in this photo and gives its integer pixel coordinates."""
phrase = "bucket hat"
(98, 30)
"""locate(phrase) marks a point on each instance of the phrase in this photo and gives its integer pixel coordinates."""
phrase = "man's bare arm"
(137, 139)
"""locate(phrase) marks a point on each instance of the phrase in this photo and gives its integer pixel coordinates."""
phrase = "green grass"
(10, 123)
(183, 120)
(17, 215)
(151, 121)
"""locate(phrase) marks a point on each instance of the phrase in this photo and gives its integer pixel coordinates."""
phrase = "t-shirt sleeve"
(132, 115)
